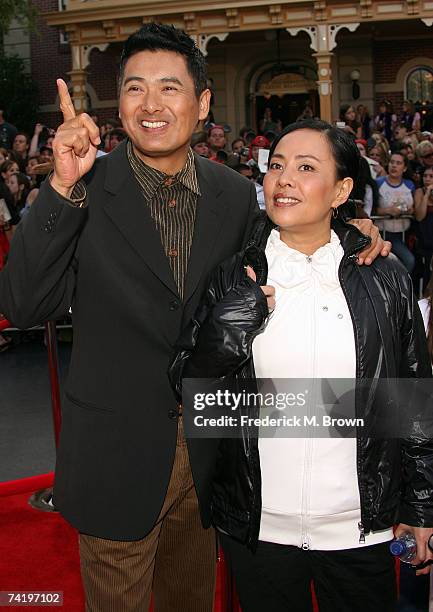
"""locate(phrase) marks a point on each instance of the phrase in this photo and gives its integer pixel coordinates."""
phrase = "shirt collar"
(155, 179)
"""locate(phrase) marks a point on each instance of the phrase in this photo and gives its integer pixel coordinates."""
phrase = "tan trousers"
(176, 560)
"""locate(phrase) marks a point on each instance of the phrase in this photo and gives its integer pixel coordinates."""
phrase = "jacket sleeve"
(416, 507)
(218, 341)
(37, 284)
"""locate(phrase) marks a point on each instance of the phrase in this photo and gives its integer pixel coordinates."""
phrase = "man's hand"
(377, 247)
(74, 146)
(268, 290)
(423, 552)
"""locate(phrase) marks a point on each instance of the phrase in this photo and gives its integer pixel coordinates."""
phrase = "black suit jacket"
(106, 261)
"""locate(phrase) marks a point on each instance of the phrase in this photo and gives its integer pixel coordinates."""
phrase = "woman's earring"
(334, 212)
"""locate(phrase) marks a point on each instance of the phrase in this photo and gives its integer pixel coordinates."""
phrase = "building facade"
(323, 53)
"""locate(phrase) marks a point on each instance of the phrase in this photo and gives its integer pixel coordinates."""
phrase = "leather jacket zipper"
(361, 525)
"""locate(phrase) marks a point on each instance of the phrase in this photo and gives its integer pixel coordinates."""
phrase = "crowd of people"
(395, 180)
(200, 284)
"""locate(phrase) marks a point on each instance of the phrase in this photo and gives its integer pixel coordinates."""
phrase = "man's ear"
(204, 104)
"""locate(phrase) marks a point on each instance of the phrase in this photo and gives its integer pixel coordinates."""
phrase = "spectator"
(395, 199)
(3, 155)
(199, 144)
(348, 116)
(8, 168)
(46, 154)
(259, 142)
(19, 186)
(423, 200)
(424, 153)
(30, 169)
(237, 145)
(386, 119)
(20, 149)
(216, 139)
(378, 155)
(365, 120)
(34, 143)
(374, 167)
(365, 188)
(253, 174)
(409, 117)
(425, 136)
(400, 132)
(268, 123)
(115, 137)
(7, 132)
(248, 134)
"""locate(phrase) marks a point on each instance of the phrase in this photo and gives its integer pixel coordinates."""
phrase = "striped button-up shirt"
(172, 201)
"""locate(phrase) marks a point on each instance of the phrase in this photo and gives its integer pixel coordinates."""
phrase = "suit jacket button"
(174, 305)
(172, 413)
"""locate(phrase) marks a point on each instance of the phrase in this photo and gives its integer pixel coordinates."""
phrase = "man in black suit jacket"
(100, 239)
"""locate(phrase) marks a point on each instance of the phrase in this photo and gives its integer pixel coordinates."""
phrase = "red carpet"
(39, 550)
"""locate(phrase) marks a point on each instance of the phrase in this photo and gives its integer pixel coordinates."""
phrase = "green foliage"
(18, 93)
(22, 10)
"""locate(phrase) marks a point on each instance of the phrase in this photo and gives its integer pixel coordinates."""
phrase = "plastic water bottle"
(404, 547)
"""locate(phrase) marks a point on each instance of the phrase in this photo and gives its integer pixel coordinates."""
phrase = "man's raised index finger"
(66, 104)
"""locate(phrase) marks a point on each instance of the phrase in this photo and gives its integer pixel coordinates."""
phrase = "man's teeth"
(287, 200)
(153, 124)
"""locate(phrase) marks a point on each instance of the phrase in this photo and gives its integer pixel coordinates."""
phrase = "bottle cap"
(397, 548)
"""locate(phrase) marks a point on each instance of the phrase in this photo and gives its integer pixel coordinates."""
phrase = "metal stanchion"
(42, 500)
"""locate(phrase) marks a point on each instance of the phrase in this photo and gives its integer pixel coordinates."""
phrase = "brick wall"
(49, 60)
(390, 55)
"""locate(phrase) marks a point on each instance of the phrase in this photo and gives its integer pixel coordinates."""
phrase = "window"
(419, 85)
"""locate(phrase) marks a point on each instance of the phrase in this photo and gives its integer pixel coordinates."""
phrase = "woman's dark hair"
(343, 110)
(158, 37)
(343, 147)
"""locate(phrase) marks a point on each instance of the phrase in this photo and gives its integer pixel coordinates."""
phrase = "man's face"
(20, 144)
(158, 105)
(217, 139)
(46, 155)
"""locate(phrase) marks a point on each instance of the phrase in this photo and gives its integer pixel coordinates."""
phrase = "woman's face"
(30, 165)
(350, 114)
(428, 177)
(13, 186)
(301, 186)
(396, 166)
(374, 154)
(12, 170)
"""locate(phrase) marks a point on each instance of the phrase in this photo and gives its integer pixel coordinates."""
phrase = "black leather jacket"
(395, 476)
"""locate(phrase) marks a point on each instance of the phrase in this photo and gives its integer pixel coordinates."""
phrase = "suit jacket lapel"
(211, 211)
(125, 206)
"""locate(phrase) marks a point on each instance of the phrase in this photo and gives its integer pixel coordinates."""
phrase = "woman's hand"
(378, 245)
(268, 290)
(423, 552)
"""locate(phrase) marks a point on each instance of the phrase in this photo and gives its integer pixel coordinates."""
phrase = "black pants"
(277, 578)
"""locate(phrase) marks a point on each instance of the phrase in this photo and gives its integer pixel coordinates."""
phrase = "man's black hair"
(158, 37)
(343, 147)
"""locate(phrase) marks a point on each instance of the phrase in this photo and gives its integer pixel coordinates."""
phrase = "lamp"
(355, 76)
